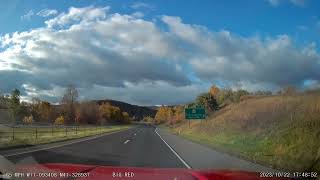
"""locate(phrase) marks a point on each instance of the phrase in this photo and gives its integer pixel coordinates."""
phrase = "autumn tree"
(14, 105)
(45, 111)
(227, 96)
(224, 96)
(214, 90)
(164, 114)
(40, 110)
(4, 101)
(59, 120)
(178, 114)
(111, 114)
(126, 118)
(87, 113)
(69, 100)
(148, 119)
(161, 115)
(208, 101)
(34, 108)
(236, 95)
(28, 119)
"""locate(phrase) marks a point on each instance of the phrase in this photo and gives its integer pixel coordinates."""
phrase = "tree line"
(69, 111)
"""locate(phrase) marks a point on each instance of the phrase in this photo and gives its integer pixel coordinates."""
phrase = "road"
(136, 147)
(141, 146)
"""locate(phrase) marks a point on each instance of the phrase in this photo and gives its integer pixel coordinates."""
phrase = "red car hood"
(72, 171)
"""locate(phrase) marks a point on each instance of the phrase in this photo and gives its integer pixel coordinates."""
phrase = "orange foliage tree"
(214, 90)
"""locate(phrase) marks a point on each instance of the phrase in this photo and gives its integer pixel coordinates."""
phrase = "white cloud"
(27, 16)
(224, 56)
(142, 5)
(78, 14)
(91, 50)
(299, 3)
(274, 2)
(302, 28)
(138, 14)
(127, 58)
(47, 12)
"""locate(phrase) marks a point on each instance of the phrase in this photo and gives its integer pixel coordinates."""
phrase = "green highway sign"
(195, 113)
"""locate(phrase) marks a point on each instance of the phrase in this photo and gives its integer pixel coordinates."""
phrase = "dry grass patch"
(279, 131)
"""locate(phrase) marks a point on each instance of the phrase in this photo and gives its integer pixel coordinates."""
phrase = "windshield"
(182, 87)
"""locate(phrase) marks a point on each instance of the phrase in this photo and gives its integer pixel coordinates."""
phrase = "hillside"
(279, 131)
(133, 110)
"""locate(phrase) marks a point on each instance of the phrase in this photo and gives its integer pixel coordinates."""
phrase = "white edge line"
(126, 141)
(61, 145)
(174, 152)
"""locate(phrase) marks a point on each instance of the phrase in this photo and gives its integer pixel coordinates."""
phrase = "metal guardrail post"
(66, 131)
(51, 130)
(36, 133)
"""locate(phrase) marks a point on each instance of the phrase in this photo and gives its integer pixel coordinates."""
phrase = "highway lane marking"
(134, 134)
(174, 152)
(61, 145)
(126, 141)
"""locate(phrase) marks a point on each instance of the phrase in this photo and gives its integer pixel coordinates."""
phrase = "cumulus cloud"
(78, 14)
(47, 12)
(223, 56)
(27, 16)
(127, 58)
(141, 5)
(300, 3)
(138, 14)
(274, 2)
(86, 47)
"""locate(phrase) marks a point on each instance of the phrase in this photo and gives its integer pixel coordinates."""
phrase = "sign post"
(197, 113)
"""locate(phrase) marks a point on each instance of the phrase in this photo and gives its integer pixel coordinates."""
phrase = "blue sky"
(245, 17)
(252, 45)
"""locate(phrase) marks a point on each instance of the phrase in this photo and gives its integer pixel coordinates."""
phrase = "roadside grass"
(282, 132)
(29, 136)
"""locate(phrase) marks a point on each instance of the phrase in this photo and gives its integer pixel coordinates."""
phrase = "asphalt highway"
(140, 146)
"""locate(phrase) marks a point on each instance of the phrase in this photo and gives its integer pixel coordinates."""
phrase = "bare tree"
(69, 100)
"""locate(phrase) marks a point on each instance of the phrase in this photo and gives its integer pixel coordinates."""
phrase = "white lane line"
(135, 134)
(126, 141)
(174, 152)
(61, 145)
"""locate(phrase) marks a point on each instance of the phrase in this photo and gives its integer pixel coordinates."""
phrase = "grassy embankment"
(282, 132)
(25, 136)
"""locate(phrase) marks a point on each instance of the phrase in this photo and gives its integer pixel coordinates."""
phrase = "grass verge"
(29, 136)
(281, 132)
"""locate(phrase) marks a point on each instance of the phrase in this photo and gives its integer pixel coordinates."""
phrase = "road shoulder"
(202, 157)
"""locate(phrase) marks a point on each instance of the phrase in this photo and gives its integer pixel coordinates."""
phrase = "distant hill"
(153, 107)
(133, 110)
